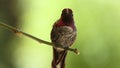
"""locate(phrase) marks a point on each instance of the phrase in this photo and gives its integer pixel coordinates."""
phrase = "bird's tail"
(58, 58)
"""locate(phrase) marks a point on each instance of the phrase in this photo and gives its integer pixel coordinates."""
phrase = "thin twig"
(15, 30)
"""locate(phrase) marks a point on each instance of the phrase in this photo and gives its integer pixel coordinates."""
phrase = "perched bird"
(63, 34)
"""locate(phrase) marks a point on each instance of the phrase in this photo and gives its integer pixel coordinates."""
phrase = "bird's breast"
(64, 36)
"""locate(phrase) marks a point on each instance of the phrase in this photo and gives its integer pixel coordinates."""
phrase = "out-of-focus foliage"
(98, 39)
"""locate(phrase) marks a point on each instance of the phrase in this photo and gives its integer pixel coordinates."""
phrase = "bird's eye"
(64, 14)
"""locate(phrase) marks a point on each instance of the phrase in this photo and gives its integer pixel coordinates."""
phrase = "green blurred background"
(98, 39)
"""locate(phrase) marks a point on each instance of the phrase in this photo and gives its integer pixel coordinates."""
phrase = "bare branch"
(15, 30)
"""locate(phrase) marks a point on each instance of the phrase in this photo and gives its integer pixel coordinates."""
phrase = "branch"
(17, 31)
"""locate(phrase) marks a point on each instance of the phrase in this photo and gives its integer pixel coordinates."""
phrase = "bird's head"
(67, 15)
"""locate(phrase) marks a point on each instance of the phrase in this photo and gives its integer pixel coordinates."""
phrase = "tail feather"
(58, 58)
(62, 65)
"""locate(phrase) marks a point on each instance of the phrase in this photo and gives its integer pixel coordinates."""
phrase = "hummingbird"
(63, 34)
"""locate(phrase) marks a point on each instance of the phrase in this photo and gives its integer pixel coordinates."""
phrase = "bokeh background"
(98, 39)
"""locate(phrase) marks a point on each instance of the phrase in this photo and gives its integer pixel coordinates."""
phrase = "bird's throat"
(64, 23)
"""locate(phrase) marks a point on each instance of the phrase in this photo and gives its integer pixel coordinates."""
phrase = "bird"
(63, 34)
